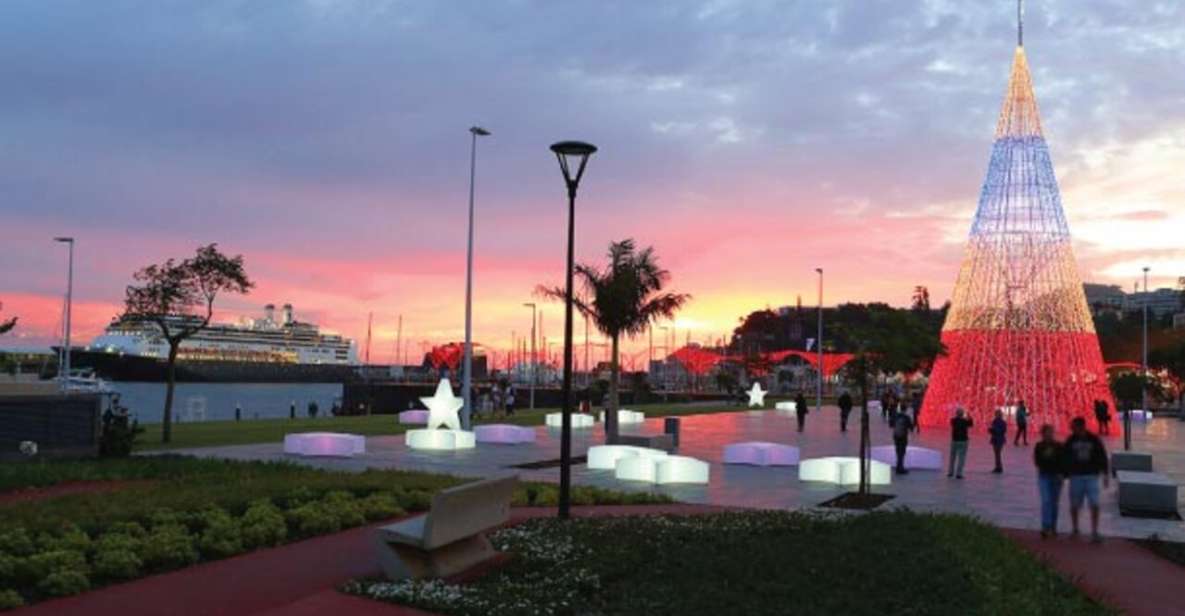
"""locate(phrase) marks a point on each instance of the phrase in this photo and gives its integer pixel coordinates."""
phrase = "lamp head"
(65, 240)
(479, 131)
(573, 155)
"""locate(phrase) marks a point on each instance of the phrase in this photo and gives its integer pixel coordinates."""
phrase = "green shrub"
(262, 525)
(168, 547)
(221, 537)
(313, 519)
(164, 517)
(9, 565)
(380, 506)
(10, 599)
(299, 496)
(64, 583)
(16, 542)
(345, 507)
(415, 500)
(37, 567)
(117, 565)
(114, 541)
(68, 537)
(130, 529)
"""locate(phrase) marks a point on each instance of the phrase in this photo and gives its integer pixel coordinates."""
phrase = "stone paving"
(1008, 500)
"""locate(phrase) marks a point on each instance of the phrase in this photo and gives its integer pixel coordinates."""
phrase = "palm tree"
(622, 299)
(6, 326)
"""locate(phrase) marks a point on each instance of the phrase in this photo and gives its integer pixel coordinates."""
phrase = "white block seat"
(761, 453)
(843, 470)
(788, 406)
(579, 420)
(636, 468)
(605, 457)
(450, 538)
(680, 469)
(920, 458)
(625, 416)
(324, 444)
(415, 417)
(506, 434)
(1139, 415)
(440, 440)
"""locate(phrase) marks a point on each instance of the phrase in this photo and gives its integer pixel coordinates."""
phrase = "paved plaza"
(1008, 500)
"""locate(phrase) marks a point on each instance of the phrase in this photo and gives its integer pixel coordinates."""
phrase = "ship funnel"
(288, 314)
(269, 313)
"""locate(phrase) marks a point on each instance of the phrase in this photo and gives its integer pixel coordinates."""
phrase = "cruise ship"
(265, 350)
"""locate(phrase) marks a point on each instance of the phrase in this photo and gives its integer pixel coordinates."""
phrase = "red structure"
(1019, 327)
(700, 361)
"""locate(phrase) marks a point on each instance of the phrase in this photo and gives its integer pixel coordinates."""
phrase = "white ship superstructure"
(266, 340)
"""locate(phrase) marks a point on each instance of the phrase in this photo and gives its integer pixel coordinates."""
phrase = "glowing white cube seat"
(416, 417)
(1139, 415)
(506, 434)
(915, 457)
(579, 420)
(761, 453)
(605, 457)
(625, 416)
(324, 444)
(788, 406)
(874, 406)
(680, 469)
(440, 440)
(635, 468)
(843, 470)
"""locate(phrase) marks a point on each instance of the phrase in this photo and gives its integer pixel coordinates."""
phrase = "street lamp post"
(467, 377)
(1144, 362)
(533, 360)
(569, 154)
(819, 343)
(67, 316)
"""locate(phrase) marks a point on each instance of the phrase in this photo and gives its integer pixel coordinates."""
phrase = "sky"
(748, 142)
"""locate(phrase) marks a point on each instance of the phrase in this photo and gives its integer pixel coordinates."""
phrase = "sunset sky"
(749, 142)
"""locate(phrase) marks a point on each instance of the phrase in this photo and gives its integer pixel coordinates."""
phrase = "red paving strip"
(298, 578)
(1118, 573)
(67, 488)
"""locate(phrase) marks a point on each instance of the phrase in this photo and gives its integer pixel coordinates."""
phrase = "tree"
(621, 300)
(1172, 360)
(178, 298)
(883, 341)
(1128, 389)
(921, 299)
(6, 326)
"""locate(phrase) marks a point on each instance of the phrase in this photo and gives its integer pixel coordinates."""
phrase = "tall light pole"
(1144, 362)
(570, 154)
(67, 315)
(534, 361)
(467, 366)
(819, 343)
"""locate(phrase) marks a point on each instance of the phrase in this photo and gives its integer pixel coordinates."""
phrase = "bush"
(299, 497)
(169, 547)
(415, 500)
(64, 583)
(130, 529)
(262, 525)
(118, 435)
(164, 517)
(313, 519)
(38, 567)
(16, 542)
(117, 565)
(345, 507)
(9, 565)
(10, 599)
(380, 506)
(221, 537)
(69, 537)
(114, 542)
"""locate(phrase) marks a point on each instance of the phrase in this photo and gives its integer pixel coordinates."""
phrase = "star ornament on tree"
(757, 395)
(443, 407)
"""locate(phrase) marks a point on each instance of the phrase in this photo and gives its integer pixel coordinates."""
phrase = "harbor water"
(216, 401)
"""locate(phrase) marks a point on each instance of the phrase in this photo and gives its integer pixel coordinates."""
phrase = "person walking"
(1086, 459)
(959, 425)
(800, 410)
(1022, 424)
(509, 401)
(902, 424)
(1049, 457)
(916, 403)
(1102, 416)
(845, 410)
(999, 435)
(886, 405)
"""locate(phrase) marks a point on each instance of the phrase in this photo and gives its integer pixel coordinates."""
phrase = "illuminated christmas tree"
(1018, 327)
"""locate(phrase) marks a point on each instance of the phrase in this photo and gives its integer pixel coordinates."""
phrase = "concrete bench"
(579, 420)
(761, 453)
(415, 417)
(665, 442)
(605, 457)
(625, 416)
(843, 471)
(915, 457)
(506, 434)
(1131, 461)
(1147, 492)
(324, 444)
(449, 538)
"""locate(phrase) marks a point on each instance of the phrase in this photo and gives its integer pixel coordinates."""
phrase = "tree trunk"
(170, 382)
(614, 397)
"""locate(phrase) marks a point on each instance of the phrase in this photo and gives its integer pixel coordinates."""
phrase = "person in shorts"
(1086, 460)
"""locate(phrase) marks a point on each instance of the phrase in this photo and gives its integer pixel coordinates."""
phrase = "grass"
(217, 433)
(753, 563)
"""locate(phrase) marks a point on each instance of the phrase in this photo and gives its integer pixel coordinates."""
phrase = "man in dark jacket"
(800, 410)
(902, 424)
(845, 410)
(959, 425)
(1050, 459)
(999, 435)
(1086, 460)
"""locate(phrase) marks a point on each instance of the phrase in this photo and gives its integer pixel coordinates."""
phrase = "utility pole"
(534, 361)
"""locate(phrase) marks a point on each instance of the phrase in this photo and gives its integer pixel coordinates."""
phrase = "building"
(1160, 302)
(1103, 298)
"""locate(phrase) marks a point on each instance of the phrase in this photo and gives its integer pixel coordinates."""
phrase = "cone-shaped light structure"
(1018, 326)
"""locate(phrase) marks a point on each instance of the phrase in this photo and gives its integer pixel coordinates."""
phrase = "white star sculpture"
(757, 395)
(443, 407)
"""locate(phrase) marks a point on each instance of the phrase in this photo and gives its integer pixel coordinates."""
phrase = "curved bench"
(843, 470)
(605, 457)
(662, 470)
(915, 457)
(324, 444)
(440, 440)
(761, 453)
(506, 434)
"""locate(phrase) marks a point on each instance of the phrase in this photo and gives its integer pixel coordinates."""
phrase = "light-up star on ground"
(757, 395)
(443, 407)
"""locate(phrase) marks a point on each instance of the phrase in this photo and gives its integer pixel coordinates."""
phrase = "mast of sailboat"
(399, 342)
(369, 321)
(1020, 23)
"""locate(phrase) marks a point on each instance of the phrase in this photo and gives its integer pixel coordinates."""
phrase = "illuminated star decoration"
(443, 407)
(757, 395)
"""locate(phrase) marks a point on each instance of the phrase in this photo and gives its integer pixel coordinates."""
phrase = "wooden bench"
(450, 537)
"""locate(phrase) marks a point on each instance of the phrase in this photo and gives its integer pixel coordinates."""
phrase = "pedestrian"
(509, 401)
(959, 425)
(998, 431)
(1022, 424)
(313, 409)
(1086, 459)
(917, 413)
(902, 424)
(886, 405)
(1049, 457)
(1102, 415)
(845, 410)
(800, 410)
(238, 412)
(292, 410)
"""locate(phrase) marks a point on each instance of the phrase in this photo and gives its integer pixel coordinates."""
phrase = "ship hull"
(122, 367)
